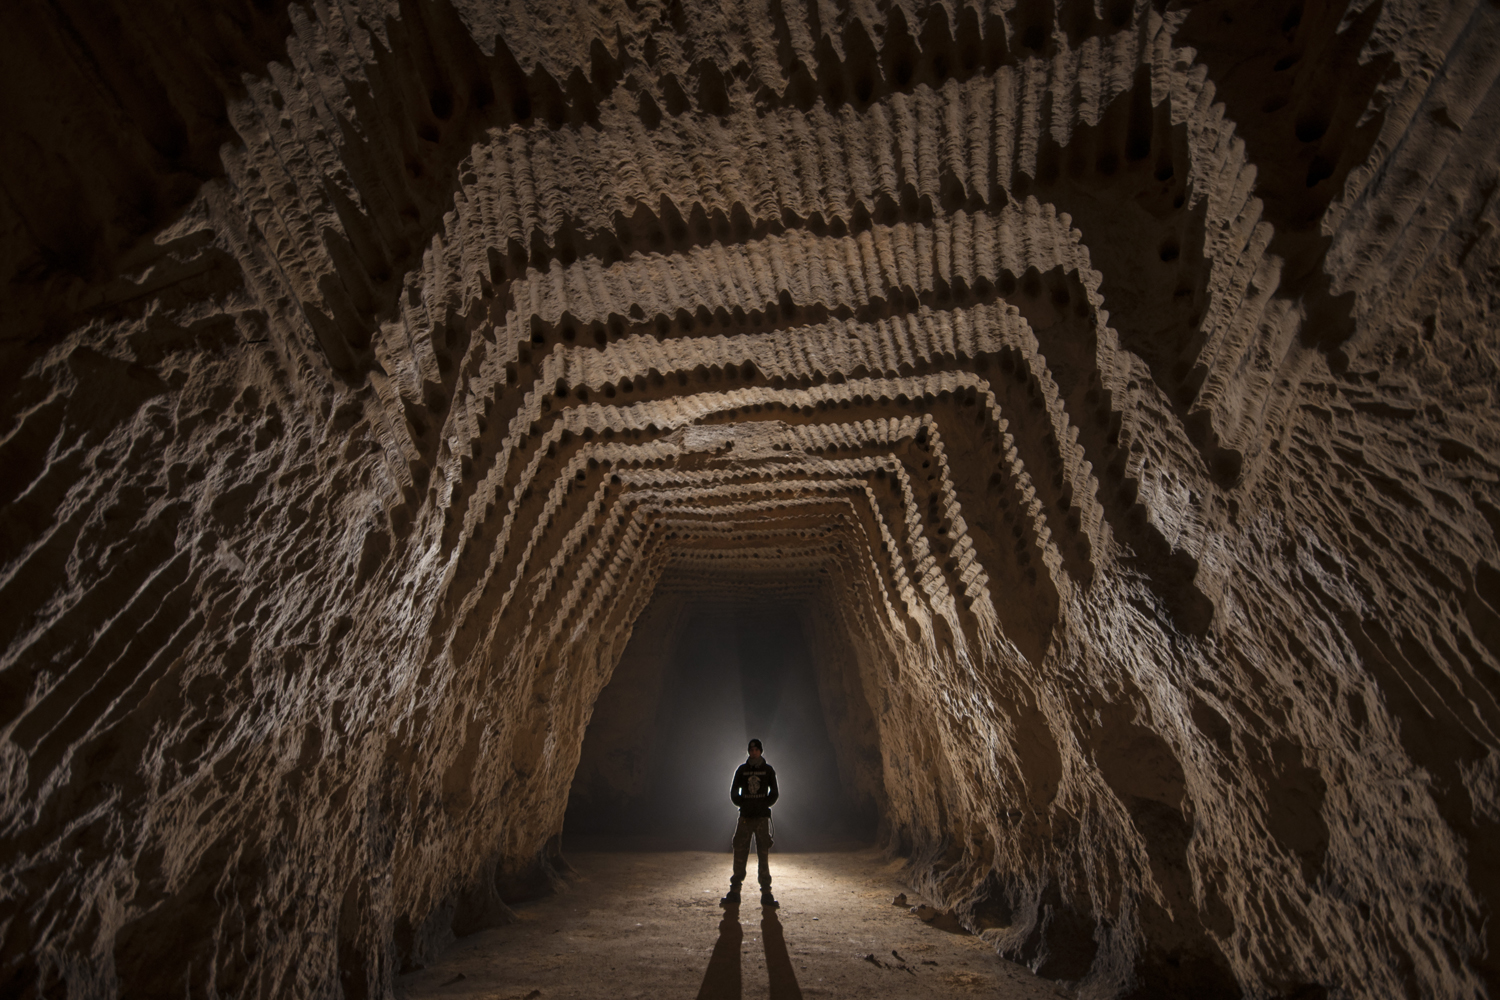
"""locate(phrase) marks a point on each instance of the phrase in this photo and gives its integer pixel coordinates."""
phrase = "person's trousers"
(761, 829)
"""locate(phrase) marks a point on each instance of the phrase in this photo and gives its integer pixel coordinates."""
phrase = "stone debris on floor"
(642, 924)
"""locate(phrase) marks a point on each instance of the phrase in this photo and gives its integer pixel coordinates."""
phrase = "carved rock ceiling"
(1108, 387)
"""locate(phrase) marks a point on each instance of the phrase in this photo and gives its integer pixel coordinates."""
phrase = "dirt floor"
(649, 925)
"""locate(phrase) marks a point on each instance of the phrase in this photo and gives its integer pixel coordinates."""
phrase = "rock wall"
(1114, 382)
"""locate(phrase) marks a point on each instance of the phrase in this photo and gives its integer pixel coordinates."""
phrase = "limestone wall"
(1114, 383)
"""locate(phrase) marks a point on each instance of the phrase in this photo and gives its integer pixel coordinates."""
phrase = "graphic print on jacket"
(754, 789)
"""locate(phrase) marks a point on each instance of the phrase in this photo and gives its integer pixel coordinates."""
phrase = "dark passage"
(671, 727)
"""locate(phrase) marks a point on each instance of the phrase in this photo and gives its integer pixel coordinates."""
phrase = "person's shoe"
(732, 898)
(766, 899)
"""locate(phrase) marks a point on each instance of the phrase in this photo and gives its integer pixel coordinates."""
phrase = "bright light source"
(727, 680)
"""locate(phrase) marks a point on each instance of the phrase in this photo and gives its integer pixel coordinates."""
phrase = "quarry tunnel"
(1068, 430)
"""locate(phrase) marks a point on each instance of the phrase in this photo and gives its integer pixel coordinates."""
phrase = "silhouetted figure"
(754, 791)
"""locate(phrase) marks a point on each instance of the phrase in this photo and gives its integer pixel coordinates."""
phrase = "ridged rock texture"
(1108, 387)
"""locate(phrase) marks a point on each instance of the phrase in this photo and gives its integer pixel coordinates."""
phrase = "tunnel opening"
(1066, 437)
(672, 725)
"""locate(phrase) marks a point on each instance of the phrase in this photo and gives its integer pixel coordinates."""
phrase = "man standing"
(754, 791)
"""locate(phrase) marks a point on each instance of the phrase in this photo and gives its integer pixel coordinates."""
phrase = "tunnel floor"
(649, 924)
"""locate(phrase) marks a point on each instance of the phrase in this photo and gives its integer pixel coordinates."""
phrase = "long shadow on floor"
(722, 980)
(778, 962)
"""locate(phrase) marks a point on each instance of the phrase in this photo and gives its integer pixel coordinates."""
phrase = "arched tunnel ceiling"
(1115, 380)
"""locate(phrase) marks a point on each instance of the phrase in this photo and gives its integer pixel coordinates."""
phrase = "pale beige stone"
(1112, 388)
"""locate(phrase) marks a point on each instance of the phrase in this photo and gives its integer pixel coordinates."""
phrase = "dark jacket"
(754, 788)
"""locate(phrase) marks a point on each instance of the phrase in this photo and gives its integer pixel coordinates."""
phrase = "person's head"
(754, 748)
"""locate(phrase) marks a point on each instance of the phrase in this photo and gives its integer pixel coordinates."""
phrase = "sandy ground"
(650, 925)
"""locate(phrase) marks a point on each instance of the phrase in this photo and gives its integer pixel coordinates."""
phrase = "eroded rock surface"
(1112, 383)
